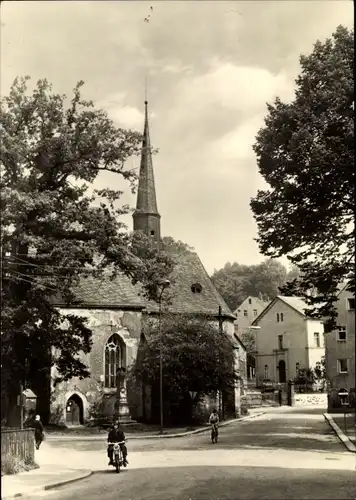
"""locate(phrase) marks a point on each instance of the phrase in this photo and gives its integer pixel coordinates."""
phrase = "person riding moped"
(214, 422)
(116, 435)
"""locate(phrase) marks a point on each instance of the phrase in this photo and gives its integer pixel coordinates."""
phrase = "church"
(116, 312)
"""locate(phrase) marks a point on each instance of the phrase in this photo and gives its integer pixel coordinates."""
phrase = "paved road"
(291, 455)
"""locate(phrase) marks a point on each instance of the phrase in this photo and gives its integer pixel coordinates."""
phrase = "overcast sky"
(211, 68)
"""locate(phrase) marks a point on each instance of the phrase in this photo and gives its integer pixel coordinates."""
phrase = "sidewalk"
(254, 412)
(347, 436)
(350, 430)
(34, 481)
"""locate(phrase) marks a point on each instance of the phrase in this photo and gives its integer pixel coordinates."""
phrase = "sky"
(210, 67)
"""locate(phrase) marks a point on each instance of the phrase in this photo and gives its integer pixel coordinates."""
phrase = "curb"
(340, 434)
(84, 475)
(33, 491)
(156, 436)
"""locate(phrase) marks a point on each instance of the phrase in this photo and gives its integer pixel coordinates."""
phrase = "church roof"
(119, 292)
(105, 292)
(189, 272)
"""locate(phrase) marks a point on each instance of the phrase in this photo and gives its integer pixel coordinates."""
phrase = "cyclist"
(214, 422)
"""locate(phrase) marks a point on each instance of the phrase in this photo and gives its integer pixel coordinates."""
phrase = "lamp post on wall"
(162, 285)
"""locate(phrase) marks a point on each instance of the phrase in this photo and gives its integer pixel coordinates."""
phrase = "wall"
(293, 328)
(314, 399)
(244, 322)
(315, 354)
(103, 324)
(337, 350)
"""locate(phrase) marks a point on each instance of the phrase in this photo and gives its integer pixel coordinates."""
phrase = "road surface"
(289, 455)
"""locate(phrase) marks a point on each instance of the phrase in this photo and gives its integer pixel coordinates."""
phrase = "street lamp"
(162, 285)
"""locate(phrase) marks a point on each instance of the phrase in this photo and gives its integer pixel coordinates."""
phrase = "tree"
(54, 233)
(236, 282)
(304, 379)
(196, 357)
(305, 152)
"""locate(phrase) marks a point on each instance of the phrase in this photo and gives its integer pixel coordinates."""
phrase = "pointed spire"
(146, 217)
(146, 196)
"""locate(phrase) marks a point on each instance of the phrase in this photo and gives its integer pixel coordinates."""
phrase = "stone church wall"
(103, 324)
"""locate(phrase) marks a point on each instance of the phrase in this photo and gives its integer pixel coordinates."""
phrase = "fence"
(18, 444)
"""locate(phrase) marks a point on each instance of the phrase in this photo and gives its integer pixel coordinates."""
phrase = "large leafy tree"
(196, 357)
(305, 152)
(55, 231)
(235, 282)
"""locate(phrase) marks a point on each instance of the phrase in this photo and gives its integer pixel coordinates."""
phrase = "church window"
(196, 288)
(112, 360)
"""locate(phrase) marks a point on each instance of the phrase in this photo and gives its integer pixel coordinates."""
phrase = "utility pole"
(221, 406)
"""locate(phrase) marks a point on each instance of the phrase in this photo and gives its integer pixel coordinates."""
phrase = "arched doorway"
(74, 410)
(282, 376)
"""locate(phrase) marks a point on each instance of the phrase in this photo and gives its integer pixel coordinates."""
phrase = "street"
(288, 453)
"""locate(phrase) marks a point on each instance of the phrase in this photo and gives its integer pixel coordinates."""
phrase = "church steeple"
(146, 217)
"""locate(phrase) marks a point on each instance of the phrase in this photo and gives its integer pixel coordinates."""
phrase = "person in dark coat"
(115, 436)
(39, 434)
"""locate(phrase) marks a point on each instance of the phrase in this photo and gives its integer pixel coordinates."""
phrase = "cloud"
(210, 74)
(122, 114)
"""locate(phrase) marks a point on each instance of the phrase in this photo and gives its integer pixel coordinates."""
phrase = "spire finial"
(146, 99)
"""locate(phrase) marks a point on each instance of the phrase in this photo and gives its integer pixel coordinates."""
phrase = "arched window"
(266, 372)
(112, 360)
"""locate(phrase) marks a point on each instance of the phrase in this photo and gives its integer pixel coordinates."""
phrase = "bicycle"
(214, 433)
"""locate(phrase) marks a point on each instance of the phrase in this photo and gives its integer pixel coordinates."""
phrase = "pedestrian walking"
(39, 431)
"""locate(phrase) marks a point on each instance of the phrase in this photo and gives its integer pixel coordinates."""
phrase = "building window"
(277, 317)
(266, 372)
(351, 304)
(255, 312)
(342, 365)
(281, 316)
(238, 310)
(341, 334)
(112, 360)
(316, 339)
(250, 301)
(196, 288)
(245, 312)
(280, 342)
(152, 233)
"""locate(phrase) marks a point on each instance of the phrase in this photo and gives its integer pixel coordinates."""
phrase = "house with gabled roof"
(116, 310)
(287, 340)
(245, 314)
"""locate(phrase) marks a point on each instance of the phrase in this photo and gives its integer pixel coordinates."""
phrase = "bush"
(14, 465)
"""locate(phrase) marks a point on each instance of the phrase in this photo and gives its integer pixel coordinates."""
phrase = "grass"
(14, 465)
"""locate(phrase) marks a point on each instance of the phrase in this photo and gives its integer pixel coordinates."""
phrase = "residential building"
(287, 340)
(245, 314)
(340, 349)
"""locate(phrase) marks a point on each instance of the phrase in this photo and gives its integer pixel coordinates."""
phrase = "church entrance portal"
(74, 411)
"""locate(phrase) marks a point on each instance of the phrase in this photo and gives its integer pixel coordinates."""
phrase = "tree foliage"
(235, 282)
(305, 152)
(196, 356)
(56, 232)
